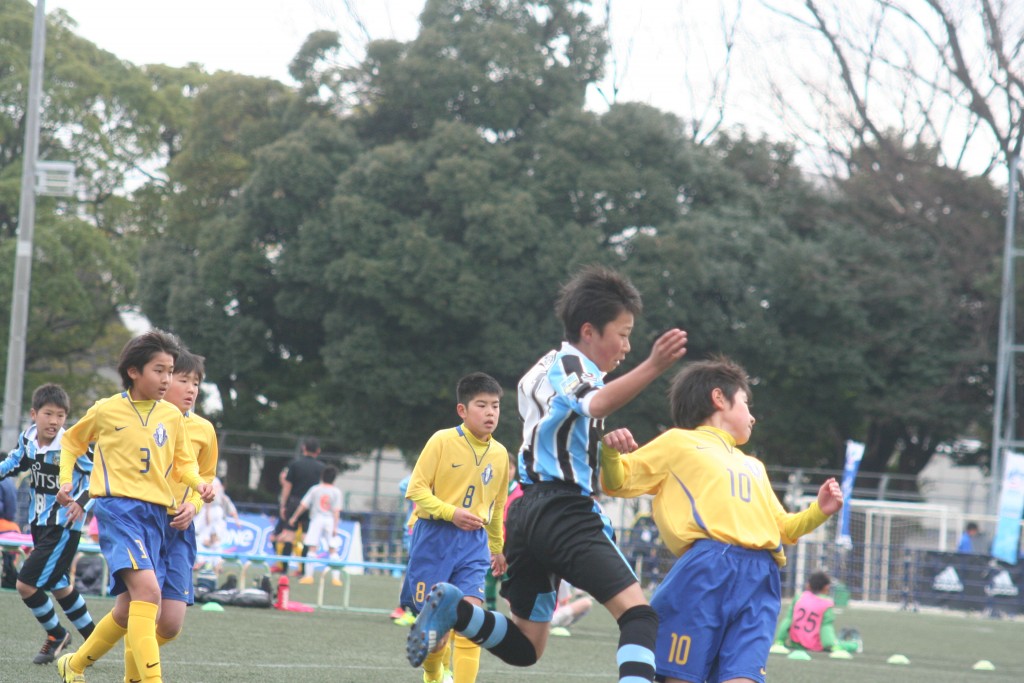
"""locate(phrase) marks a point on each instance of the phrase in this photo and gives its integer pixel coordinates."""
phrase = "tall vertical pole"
(26, 225)
(1004, 423)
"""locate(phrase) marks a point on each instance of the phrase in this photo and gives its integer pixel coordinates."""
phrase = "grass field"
(347, 646)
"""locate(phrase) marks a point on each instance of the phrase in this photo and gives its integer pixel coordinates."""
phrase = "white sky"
(260, 37)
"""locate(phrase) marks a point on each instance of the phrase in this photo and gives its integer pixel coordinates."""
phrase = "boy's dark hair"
(690, 393)
(311, 444)
(141, 349)
(51, 394)
(474, 384)
(329, 474)
(188, 362)
(818, 581)
(971, 526)
(595, 295)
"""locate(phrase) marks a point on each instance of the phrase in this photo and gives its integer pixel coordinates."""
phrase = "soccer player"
(180, 545)
(557, 530)
(459, 485)
(301, 474)
(810, 622)
(323, 502)
(56, 530)
(139, 439)
(715, 510)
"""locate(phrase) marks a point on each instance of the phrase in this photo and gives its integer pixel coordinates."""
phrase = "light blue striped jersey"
(560, 439)
(44, 478)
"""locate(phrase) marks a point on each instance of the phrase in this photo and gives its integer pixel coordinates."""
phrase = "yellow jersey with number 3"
(139, 446)
(457, 470)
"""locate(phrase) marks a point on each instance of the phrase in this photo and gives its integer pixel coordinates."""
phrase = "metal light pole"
(1004, 422)
(26, 225)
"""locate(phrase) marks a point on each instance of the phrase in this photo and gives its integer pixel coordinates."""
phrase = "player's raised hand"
(466, 520)
(830, 496)
(621, 440)
(669, 347)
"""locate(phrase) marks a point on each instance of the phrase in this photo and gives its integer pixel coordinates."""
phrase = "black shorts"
(289, 509)
(555, 532)
(48, 564)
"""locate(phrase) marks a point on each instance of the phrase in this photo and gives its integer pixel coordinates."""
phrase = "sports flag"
(854, 454)
(1011, 507)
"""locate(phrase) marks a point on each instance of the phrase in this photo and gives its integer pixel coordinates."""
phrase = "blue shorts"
(178, 558)
(440, 551)
(717, 609)
(131, 537)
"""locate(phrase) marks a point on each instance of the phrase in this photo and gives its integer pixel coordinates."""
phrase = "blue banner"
(854, 454)
(250, 535)
(1011, 506)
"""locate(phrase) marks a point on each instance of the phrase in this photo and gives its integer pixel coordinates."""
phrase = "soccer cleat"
(67, 674)
(560, 631)
(446, 676)
(335, 581)
(306, 580)
(407, 619)
(397, 613)
(52, 648)
(429, 633)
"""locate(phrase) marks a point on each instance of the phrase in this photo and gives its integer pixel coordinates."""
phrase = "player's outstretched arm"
(669, 348)
(830, 496)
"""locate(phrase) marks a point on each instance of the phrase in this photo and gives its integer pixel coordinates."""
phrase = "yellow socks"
(104, 636)
(466, 660)
(142, 635)
(433, 665)
(131, 669)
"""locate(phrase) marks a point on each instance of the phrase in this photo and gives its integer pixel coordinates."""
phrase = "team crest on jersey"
(570, 383)
(488, 474)
(160, 435)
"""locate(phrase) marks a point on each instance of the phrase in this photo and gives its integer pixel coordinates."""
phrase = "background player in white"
(324, 504)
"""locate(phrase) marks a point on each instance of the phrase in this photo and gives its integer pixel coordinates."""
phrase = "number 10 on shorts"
(679, 652)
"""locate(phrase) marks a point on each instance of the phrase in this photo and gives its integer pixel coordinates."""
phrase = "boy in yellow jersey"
(716, 510)
(459, 485)
(141, 445)
(180, 547)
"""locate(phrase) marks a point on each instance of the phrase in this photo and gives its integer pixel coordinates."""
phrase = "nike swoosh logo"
(117, 429)
(150, 666)
(454, 465)
(89, 657)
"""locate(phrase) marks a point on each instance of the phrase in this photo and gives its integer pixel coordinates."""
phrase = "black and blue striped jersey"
(560, 438)
(43, 465)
